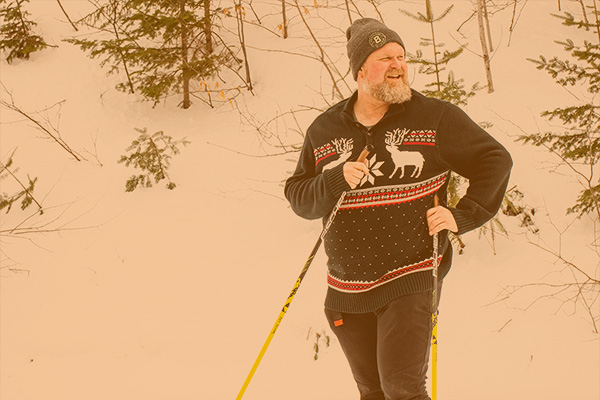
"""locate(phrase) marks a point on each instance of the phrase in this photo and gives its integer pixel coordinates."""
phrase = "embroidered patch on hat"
(377, 39)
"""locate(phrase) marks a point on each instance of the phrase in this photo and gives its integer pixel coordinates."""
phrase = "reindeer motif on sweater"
(402, 159)
(344, 148)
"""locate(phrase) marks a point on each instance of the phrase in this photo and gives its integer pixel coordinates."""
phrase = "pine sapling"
(152, 154)
(513, 206)
(577, 145)
(16, 35)
(449, 89)
(24, 193)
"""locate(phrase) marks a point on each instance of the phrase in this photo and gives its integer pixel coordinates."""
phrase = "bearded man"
(379, 246)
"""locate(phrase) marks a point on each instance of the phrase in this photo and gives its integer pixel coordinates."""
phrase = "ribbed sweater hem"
(369, 301)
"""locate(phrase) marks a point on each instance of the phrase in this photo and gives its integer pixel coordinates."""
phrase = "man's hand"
(354, 172)
(440, 218)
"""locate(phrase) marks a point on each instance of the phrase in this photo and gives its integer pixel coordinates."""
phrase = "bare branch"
(13, 107)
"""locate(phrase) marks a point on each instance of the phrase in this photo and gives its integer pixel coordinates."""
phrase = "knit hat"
(364, 37)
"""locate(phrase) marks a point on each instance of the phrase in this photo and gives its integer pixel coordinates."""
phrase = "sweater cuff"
(335, 181)
(464, 220)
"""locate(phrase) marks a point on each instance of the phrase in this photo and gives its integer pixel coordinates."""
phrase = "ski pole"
(434, 312)
(361, 158)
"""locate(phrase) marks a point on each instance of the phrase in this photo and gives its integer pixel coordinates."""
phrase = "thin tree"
(484, 46)
(240, 14)
(207, 21)
(449, 88)
(185, 66)
(284, 23)
(162, 45)
(486, 18)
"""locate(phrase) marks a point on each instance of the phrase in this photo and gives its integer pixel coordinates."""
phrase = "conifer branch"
(27, 191)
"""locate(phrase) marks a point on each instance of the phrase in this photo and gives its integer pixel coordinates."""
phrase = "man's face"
(384, 75)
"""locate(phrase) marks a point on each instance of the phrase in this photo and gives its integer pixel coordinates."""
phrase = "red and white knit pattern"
(386, 195)
(363, 286)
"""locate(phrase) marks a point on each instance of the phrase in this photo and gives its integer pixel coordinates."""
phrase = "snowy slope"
(170, 294)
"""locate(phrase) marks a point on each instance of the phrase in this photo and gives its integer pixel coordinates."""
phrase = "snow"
(171, 294)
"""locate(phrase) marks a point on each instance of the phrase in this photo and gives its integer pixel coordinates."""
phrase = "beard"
(389, 92)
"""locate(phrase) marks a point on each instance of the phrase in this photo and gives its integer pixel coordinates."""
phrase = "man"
(379, 246)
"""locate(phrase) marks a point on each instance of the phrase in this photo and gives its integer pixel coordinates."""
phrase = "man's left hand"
(440, 218)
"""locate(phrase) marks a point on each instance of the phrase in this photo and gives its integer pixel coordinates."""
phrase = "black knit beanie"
(364, 37)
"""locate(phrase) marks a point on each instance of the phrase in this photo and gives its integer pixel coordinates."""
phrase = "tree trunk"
(596, 14)
(484, 48)
(585, 18)
(284, 24)
(208, 27)
(433, 42)
(184, 56)
(348, 10)
(113, 22)
(240, 18)
(487, 25)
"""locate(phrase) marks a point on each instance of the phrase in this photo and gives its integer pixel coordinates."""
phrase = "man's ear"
(361, 73)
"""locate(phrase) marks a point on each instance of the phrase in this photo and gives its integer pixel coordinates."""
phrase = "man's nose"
(397, 63)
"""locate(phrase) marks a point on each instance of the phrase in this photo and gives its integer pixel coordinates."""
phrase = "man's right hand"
(354, 172)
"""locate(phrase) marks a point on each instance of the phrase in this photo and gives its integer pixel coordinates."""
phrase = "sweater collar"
(394, 109)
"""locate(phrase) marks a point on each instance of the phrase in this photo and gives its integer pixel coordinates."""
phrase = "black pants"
(388, 350)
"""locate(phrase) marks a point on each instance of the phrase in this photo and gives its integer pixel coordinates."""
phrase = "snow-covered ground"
(162, 294)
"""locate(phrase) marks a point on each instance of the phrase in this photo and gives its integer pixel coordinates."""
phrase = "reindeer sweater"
(378, 245)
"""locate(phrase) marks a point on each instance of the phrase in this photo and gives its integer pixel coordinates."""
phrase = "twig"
(67, 15)
(12, 106)
(5, 168)
(321, 51)
(503, 326)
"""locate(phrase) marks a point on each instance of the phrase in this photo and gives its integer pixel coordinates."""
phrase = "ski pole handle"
(365, 153)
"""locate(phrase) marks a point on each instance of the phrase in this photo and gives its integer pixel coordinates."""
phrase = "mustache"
(395, 72)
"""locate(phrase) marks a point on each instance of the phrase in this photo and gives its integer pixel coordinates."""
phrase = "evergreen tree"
(578, 144)
(16, 34)
(152, 154)
(449, 89)
(162, 45)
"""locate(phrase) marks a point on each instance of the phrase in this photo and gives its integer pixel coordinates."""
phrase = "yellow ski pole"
(434, 312)
(361, 158)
